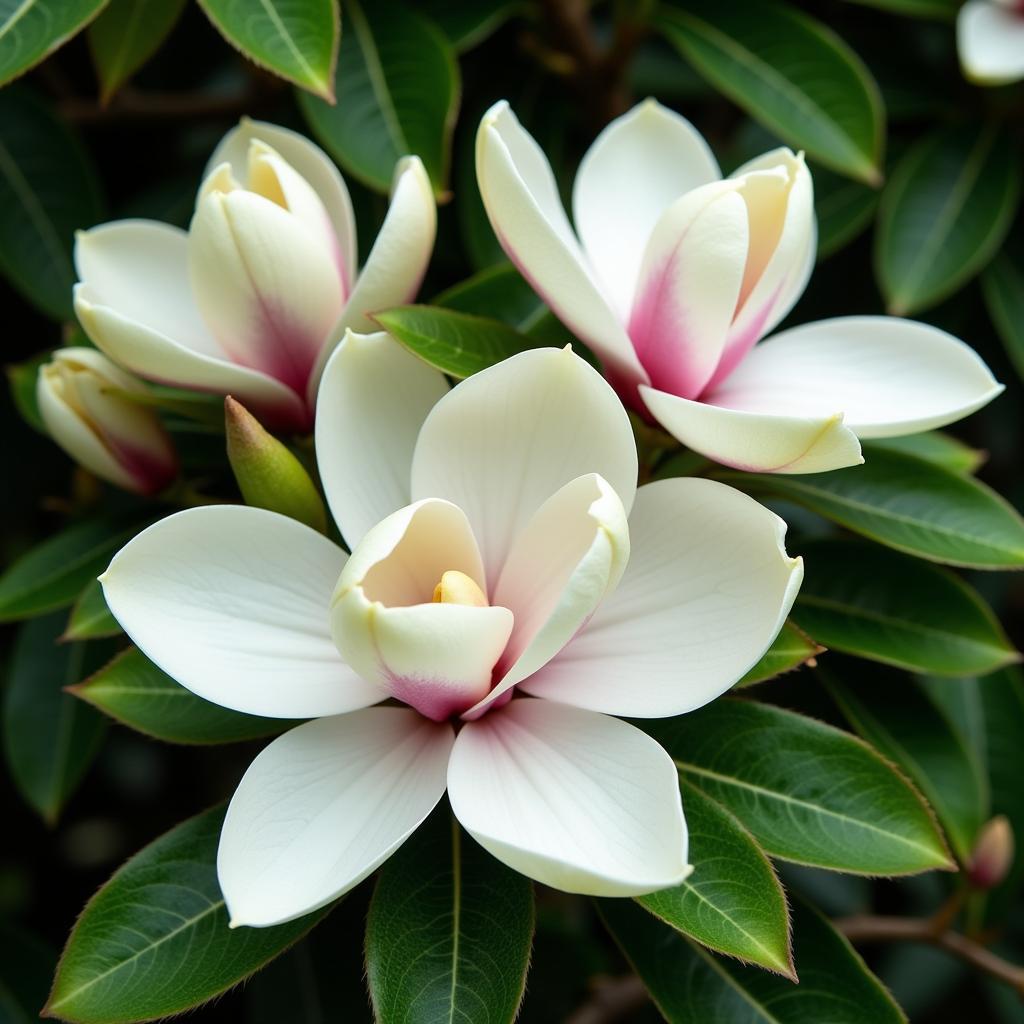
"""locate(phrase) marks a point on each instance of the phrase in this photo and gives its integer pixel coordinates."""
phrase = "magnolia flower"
(252, 299)
(500, 548)
(676, 275)
(990, 38)
(84, 400)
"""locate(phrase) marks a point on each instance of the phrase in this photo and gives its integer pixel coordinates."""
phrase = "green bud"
(268, 474)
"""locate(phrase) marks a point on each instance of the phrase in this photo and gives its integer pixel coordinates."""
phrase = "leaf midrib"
(378, 80)
(282, 30)
(16, 16)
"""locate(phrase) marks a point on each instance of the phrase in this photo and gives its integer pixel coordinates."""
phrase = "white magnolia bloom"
(83, 400)
(990, 38)
(500, 548)
(252, 299)
(677, 273)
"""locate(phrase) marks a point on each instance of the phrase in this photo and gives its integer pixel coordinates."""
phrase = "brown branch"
(867, 928)
(611, 999)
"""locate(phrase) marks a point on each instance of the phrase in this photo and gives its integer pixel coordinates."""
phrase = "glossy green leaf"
(692, 986)
(132, 690)
(732, 902)
(126, 35)
(459, 344)
(50, 739)
(500, 293)
(944, 214)
(1003, 286)
(844, 209)
(397, 90)
(897, 717)
(934, 446)
(865, 600)
(155, 941)
(789, 650)
(32, 29)
(47, 192)
(90, 617)
(449, 931)
(467, 23)
(852, 812)
(909, 504)
(295, 39)
(789, 72)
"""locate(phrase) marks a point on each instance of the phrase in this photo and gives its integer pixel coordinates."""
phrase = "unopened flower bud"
(86, 402)
(993, 854)
(268, 474)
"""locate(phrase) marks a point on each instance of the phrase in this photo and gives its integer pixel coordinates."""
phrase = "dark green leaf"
(909, 504)
(942, 9)
(22, 380)
(844, 209)
(90, 616)
(296, 39)
(28, 967)
(33, 29)
(789, 650)
(1003, 285)
(47, 191)
(126, 35)
(397, 90)
(50, 739)
(900, 720)
(134, 691)
(458, 344)
(944, 214)
(155, 941)
(467, 23)
(865, 600)
(498, 292)
(732, 902)
(934, 446)
(56, 571)
(852, 812)
(692, 986)
(788, 71)
(449, 931)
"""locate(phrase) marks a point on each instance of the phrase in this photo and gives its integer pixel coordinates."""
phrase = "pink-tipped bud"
(993, 854)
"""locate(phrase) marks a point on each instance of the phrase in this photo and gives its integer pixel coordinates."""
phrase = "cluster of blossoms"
(508, 587)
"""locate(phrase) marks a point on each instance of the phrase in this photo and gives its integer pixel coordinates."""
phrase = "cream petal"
(707, 588)
(323, 806)
(635, 169)
(500, 443)
(234, 603)
(990, 38)
(374, 397)
(576, 800)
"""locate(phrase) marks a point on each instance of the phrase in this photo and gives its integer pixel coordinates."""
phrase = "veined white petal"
(374, 397)
(500, 443)
(234, 603)
(324, 805)
(576, 800)
(990, 39)
(707, 588)
(634, 170)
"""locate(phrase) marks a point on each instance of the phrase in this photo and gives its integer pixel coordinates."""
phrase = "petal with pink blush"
(707, 588)
(569, 556)
(688, 288)
(578, 801)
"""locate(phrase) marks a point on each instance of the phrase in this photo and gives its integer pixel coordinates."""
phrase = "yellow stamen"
(458, 588)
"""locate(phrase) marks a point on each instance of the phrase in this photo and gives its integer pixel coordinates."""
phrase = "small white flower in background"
(677, 274)
(84, 401)
(252, 299)
(990, 38)
(499, 544)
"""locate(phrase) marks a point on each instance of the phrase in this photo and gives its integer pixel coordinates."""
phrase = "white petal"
(707, 588)
(437, 657)
(578, 801)
(688, 288)
(569, 556)
(307, 159)
(374, 397)
(521, 198)
(160, 358)
(990, 39)
(635, 169)
(234, 603)
(323, 806)
(265, 284)
(500, 443)
(754, 441)
(886, 375)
